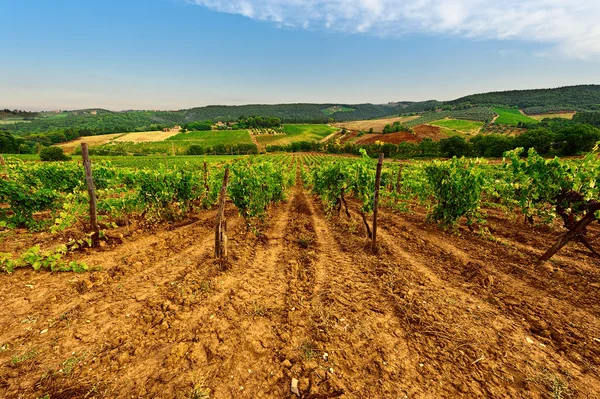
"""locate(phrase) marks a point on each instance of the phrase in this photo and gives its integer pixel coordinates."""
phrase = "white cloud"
(571, 26)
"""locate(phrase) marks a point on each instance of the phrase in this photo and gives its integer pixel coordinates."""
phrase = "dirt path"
(255, 141)
(328, 137)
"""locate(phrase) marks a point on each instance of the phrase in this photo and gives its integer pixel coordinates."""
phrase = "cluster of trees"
(257, 122)
(198, 126)
(394, 128)
(567, 141)
(10, 144)
(16, 113)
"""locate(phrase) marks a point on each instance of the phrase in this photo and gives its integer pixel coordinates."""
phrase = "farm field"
(376, 124)
(296, 133)
(140, 137)
(564, 115)
(214, 137)
(512, 117)
(459, 126)
(92, 141)
(434, 313)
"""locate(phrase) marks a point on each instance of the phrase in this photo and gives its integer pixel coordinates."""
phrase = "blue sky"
(171, 54)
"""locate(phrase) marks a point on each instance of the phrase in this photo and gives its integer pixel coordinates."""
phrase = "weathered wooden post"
(2, 161)
(221, 226)
(205, 168)
(87, 164)
(376, 202)
(577, 230)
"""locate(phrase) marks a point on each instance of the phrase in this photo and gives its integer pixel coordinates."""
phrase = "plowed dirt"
(435, 314)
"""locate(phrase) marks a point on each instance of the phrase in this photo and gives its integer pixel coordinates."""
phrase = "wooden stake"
(206, 188)
(2, 161)
(220, 237)
(376, 202)
(575, 231)
(87, 164)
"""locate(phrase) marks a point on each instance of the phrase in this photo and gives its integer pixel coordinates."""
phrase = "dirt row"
(434, 314)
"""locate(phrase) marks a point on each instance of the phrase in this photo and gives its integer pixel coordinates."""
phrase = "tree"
(53, 154)
(195, 150)
(576, 139)
(540, 139)
(454, 146)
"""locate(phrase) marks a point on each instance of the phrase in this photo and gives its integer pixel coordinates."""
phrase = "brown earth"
(429, 131)
(394, 138)
(436, 314)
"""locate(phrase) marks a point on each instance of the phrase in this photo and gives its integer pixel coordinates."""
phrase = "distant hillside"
(576, 98)
(72, 124)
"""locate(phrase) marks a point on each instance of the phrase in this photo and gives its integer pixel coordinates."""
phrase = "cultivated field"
(70, 146)
(459, 126)
(565, 115)
(296, 133)
(435, 313)
(376, 124)
(511, 117)
(144, 137)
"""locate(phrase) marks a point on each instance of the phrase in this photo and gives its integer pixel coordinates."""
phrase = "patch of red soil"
(428, 131)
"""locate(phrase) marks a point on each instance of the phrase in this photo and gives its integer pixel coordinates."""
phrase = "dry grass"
(70, 146)
(565, 115)
(376, 124)
(143, 137)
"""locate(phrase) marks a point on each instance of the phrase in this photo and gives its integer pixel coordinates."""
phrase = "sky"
(175, 54)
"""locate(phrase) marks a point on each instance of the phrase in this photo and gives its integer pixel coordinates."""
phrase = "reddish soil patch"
(428, 131)
(394, 138)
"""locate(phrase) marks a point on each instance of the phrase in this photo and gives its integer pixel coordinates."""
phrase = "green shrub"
(196, 150)
(53, 154)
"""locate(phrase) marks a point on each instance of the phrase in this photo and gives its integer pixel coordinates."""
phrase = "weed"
(69, 364)
(258, 310)
(198, 391)
(24, 357)
(557, 387)
(305, 241)
(309, 350)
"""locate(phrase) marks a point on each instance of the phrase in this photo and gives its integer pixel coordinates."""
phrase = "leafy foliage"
(457, 187)
(53, 154)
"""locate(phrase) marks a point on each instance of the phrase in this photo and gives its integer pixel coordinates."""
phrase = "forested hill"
(294, 112)
(576, 98)
(99, 121)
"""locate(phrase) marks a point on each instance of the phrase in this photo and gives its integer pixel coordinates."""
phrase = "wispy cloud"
(570, 26)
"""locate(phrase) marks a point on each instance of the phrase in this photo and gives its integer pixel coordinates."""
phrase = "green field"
(214, 137)
(512, 117)
(295, 133)
(459, 125)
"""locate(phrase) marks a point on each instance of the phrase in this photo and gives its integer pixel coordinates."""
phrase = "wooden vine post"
(376, 202)
(576, 232)
(221, 224)
(87, 164)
